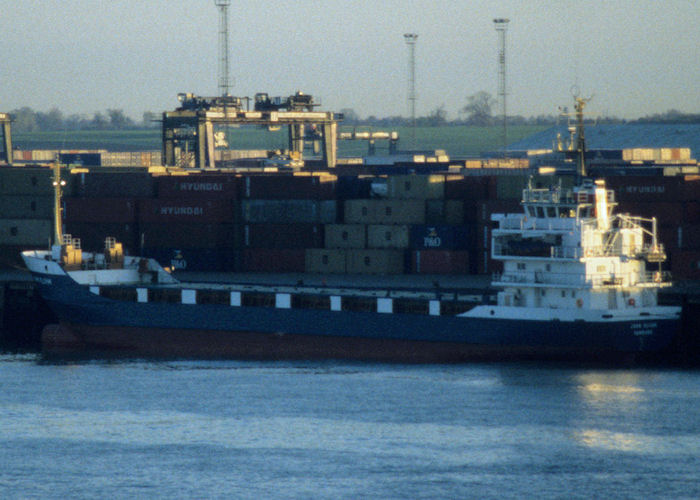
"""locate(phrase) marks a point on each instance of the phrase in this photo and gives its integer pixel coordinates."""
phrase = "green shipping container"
(387, 236)
(444, 212)
(375, 261)
(321, 260)
(29, 232)
(27, 180)
(416, 187)
(384, 212)
(345, 236)
(26, 206)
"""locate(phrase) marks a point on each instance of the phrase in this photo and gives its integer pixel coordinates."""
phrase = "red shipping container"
(691, 212)
(186, 210)
(648, 188)
(689, 237)
(485, 209)
(482, 263)
(207, 186)
(472, 188)
(439, 262)
(665, 212)
(284, 187)
(127, 184)
(691, 188)
(100, 209)
(668, 235)
(685, 265)
(189, 235)
(273, 260)
(283, 236)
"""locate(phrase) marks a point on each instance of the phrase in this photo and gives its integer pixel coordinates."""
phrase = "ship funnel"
(601, 205)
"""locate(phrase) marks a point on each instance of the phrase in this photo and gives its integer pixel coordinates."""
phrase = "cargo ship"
(574, 286)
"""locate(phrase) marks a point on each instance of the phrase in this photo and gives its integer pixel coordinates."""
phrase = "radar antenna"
(578, 129)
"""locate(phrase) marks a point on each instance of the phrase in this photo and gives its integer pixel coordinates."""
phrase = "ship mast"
(58, 183)
(580, 138)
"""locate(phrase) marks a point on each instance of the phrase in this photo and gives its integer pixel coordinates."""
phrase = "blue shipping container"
(424, 237)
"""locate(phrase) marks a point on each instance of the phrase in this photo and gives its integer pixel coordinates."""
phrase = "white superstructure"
(567, 256)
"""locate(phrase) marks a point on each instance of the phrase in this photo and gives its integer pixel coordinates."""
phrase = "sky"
(634, 57)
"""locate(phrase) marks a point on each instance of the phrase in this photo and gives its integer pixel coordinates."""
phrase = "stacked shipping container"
(388, 235)
(315, 223)
(26, 211)
(282, 216)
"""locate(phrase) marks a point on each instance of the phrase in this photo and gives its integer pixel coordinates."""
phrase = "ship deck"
(407, 282)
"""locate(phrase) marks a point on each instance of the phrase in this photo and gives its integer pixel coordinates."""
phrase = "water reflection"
(606, 398)
(602, 389)
(615, 441)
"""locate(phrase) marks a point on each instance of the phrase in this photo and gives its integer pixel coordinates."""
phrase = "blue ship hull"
(94, 324)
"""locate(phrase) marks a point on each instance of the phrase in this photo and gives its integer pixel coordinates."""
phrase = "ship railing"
(540, 278)
(550, 195)
(562, 252)
(657, 277)
(575, 279)
(520, 222)
(555, 252)
(567, 252)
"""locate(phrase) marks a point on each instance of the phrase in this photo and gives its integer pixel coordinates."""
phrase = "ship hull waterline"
(103, 327)
(67, 340)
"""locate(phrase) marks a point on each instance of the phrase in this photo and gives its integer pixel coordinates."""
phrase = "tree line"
(27, 120)
(478, 111)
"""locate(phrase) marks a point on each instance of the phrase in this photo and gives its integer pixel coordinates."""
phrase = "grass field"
(455, 140)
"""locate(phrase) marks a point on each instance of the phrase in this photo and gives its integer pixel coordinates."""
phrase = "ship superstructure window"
(540, 211)
(521, 266)
(563, 294)
(551, 212)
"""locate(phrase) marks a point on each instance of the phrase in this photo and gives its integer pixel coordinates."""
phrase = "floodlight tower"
(410, 39)
(223, 46)
(501, 25)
